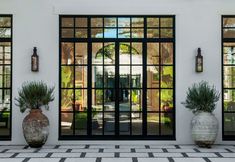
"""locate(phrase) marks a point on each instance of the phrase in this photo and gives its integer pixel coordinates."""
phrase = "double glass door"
(117, 77)
(117, 81)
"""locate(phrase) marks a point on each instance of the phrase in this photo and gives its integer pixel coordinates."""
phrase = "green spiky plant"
(34, 95)
(201, 97)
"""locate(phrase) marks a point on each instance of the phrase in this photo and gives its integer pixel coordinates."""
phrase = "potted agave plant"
(201, 99)
(33, 96)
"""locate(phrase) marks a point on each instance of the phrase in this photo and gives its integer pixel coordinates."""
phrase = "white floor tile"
(189, 160)
(228, 155)
(32, 155)
(80, 160)
(134, 155)
(100, 155)
(11, 160)
(222, 159)
(181, 150)
(116, 159)
(148, 150)
(153, 160)
(6, 154)
(44, 159)
(66, 155)
(201, 154)
(167, 154)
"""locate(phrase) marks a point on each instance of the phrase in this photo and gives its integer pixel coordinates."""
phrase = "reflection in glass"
(153, 22)
(97, 77)
(136, 76)
(109, 53)
(124, 76)
(229, 123)
(136, 52)
(167, 100)
(67, 100)
(123, 22)
(81, 22)
(153, 77)
(136, 123)
(67, 22)
(136, 99)
(153, 33)
(166, 22)
(153, 100)
(166, 33)
(67, 76)
(229, 53)
(229, 33)
(81, 123)
(80, 100)
(5, 22)
(81, 33)
(5, 32)
(137, 33)
(229, 100)
(109, 76)
(152, 53)
(137, 22)
(109, 99)
(152, 124)
(229, 76)
(5, 52)
(97, 123)
(67, 50)
(124, 123)
(97, 53)
(167, 77)
(228, 22)
(81, 77)
(81, 53)
(124, 98)
(66, 123)
(96, 22)
(166, 53)
(97, 99)
(109, 123)
(124, 53)
(97, 33)
(110, 32)
(124, 33)
(110, 22)
(166, 123)
(67, 33)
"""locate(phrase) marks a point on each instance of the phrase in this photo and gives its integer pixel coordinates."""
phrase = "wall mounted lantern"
(34, 60)
(199, 61)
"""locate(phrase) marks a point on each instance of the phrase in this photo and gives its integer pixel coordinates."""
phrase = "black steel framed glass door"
(117, 77)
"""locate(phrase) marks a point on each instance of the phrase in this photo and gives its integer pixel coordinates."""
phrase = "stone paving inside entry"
(117, 153)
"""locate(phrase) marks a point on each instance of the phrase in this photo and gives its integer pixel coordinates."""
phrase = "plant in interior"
(33, 96)
(201, 98)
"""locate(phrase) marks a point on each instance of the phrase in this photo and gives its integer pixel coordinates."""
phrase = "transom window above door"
(117, 78)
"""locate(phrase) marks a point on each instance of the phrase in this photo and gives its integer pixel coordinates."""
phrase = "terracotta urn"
(36, 128)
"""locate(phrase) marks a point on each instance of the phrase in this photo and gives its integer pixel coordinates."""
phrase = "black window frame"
(10, 40)
(144, 66)
(225, 40)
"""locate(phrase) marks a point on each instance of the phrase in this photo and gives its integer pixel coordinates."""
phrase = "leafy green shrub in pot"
(201, 99)
(33, 96)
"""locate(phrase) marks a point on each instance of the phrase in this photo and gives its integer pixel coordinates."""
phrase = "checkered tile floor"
(117, 153)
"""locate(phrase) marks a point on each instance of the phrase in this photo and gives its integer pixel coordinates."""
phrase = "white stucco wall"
(35, 23)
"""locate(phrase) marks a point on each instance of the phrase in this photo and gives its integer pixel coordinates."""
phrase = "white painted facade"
(36, 23)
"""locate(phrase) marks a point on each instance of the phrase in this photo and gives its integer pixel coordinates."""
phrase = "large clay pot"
(204, 129)
(36, 128)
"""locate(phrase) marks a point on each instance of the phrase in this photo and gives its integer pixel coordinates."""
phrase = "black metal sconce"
(199, 61)
(35, 60)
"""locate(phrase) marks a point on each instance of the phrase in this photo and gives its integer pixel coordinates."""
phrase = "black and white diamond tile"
(117, 153)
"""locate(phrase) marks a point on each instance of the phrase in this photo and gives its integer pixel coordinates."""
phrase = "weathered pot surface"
(204, 129)
(36, 128)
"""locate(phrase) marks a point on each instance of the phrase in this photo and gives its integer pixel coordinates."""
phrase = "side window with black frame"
(5, 76)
